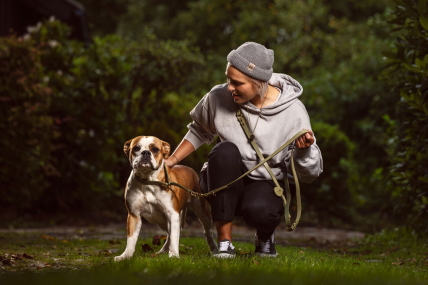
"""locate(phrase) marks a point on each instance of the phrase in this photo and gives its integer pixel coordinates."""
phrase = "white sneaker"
(225, 250)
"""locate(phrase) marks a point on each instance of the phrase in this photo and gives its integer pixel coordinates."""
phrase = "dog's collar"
(158, 183)
(169, 183)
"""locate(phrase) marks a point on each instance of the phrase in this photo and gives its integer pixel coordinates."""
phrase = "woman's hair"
(260, 86)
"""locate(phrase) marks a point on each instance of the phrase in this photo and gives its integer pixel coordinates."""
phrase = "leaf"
(255, 262)
(106, 252)
(27, 256)
(412, 68)
(425, 108)
(8, 261)
(424, 22)
(146, 247)
(419, 63)
(423, 179)
(422, 6)
(156, 240)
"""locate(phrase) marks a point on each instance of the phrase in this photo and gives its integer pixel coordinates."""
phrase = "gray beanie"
(253, 59)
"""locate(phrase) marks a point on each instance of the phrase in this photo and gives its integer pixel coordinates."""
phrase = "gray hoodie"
(215, 115)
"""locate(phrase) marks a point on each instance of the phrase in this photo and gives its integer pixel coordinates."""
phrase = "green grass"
(388, 258)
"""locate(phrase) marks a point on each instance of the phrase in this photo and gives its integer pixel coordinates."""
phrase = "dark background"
(70, 97)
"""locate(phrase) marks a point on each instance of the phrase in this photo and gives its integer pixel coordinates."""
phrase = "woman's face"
(240, 87)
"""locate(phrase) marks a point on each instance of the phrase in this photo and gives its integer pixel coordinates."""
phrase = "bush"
(408, 73)
(90, 101)
(27, 130)
(327, 200)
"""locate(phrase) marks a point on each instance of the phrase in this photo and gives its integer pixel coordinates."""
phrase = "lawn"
(387, 258)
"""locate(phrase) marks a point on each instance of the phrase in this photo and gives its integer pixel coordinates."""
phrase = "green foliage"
(27, 130)
(146, 79)
(320, 196)
(408, 73)
(332, 50)
(100, 96)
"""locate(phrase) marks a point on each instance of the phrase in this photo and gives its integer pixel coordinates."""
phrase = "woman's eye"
(155, 150)
(137, 148)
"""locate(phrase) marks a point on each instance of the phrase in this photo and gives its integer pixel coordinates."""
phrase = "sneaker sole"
(267, 254)
(224, 255)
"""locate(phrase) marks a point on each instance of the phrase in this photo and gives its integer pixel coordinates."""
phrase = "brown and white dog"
(165, 207)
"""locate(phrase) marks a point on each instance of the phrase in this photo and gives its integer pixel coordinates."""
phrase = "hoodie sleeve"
(202, 129)
(307, 162)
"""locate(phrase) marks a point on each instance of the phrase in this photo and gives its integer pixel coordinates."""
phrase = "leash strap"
(278, 190)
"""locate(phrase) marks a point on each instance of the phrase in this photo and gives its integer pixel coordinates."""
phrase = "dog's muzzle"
(145, 160)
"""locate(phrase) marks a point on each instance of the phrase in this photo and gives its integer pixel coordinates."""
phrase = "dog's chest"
(151, 202)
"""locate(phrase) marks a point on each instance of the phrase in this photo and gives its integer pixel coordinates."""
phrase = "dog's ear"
(165, 149)
(127, 147)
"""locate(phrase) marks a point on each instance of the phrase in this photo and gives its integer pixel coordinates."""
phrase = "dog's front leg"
(174, 234)
(133, 226)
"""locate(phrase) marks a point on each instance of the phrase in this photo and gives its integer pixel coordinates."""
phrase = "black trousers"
(254, 200)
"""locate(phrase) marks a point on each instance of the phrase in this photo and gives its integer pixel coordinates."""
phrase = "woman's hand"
(171, 162)
(305, 140)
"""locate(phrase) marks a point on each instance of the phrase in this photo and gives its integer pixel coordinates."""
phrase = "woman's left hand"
(305, 140)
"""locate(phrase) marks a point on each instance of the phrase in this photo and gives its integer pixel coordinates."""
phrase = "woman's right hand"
(183, 150)
(170, 162)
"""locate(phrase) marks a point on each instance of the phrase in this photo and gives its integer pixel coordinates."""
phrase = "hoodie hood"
(290, 91)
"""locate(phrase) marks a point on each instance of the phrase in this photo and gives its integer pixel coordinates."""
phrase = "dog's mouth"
(145, 164)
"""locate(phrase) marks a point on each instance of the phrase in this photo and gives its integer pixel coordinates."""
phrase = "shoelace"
(224, 245)
(264, 246)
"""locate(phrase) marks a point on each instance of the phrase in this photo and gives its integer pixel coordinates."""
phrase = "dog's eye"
(136, 148)
(155, 150)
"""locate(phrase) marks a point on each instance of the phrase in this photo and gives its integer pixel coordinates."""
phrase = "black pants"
(254, 200)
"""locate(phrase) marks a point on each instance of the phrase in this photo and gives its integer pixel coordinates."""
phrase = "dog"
(165, 207)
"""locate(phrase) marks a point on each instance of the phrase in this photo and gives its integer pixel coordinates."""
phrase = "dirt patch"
(301, 235)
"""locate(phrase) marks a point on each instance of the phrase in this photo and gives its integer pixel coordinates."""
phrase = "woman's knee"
(261, 216)
(225, 151)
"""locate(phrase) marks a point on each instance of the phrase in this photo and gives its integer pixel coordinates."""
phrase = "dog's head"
(146, 154)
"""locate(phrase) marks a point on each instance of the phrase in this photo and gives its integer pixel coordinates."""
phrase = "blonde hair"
(260, 86)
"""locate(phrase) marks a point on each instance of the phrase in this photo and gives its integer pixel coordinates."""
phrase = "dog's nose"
(146, 153)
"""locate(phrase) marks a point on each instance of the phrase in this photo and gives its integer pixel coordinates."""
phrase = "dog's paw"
(174, 255)
(119, 258)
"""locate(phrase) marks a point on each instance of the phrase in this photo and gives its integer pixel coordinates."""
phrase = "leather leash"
(278, 190)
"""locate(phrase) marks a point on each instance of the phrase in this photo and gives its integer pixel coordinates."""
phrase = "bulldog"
(166, 207)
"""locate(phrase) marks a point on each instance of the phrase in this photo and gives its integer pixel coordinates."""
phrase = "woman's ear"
(165, 149)
(127, 147)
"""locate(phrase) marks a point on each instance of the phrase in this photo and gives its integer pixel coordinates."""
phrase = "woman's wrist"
(177, 160)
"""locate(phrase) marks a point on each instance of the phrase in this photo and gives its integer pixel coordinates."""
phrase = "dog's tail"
(183, 214)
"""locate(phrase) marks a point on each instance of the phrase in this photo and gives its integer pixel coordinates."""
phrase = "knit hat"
(253, 59)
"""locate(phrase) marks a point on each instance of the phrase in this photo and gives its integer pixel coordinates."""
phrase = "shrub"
(90, 101)
(408, 73)
(25, 125)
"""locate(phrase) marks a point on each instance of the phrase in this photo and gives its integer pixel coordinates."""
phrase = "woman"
(273, 114)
